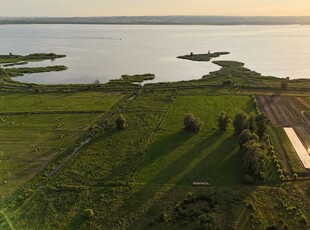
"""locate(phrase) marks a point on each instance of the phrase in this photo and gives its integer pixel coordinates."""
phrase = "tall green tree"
(252, 122)
(121, 122)
(262, 122)
(254, 160)
(245, 136)
(240, 122)
(192, 123)
(223, 121)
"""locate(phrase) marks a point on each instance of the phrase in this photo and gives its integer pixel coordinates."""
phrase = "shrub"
(192, 123)
(190, 197)
(284, 84)
(164, 217)
(223, 121)
(282, 177)
(295, 176)
(280, 171)
(88, 213)
(228, 82)
(121, 122)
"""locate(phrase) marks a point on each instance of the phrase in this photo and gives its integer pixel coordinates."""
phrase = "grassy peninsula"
(13, 58)
(120, 155)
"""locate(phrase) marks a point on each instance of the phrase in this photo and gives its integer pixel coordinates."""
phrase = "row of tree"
(252, 131)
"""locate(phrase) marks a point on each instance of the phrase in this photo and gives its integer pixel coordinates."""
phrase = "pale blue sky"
(153, 7)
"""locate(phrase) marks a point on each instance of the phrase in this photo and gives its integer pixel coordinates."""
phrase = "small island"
(203, 57)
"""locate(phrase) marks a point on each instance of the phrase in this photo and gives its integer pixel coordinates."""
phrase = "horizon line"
(245, 16)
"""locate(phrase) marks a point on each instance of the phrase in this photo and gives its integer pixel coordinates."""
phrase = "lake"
(106, 52)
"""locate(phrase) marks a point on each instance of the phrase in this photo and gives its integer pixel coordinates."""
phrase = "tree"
(240, 122)
(223, 121)
(121, 122)
(192, 123)
(262, 122)
(96, 82)
(252, 122)
(254, 160)
(245, 136)
(284, 84)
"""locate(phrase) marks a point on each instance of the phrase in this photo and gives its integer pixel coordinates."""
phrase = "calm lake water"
(106, 52)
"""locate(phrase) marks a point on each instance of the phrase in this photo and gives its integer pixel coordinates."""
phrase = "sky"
(70, 8)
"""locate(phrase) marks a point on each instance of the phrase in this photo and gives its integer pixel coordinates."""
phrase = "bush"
(248, 179)
(223, 121)
(164, 217)
(228, 82)
(121, 122)
(295, 176)
(191, 123)
(88, 213)
(280, 171)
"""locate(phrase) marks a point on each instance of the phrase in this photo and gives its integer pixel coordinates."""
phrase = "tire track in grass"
(7, 220)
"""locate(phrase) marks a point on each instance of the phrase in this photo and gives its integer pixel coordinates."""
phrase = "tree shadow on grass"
(172, 172)
(159, 149)
(215, 159)
(221, 166)
(215, 151)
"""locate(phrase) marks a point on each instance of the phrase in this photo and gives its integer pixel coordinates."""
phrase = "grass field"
(47, 102)
(211, 156)
(103, 169)
(123, 175)
(141, 177)
(30, 140)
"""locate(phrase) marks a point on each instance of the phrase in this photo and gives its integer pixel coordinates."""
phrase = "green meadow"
(36, 128)
(66, 163)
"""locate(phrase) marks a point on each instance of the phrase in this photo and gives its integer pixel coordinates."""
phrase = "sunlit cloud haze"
(154, 7)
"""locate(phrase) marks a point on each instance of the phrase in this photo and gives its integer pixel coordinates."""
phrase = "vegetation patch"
(203, 57)
(139, 78)
(17, 72)
(13, 58)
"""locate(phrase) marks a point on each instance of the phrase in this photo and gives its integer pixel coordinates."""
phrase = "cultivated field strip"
(287, 112)
(299, 147)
